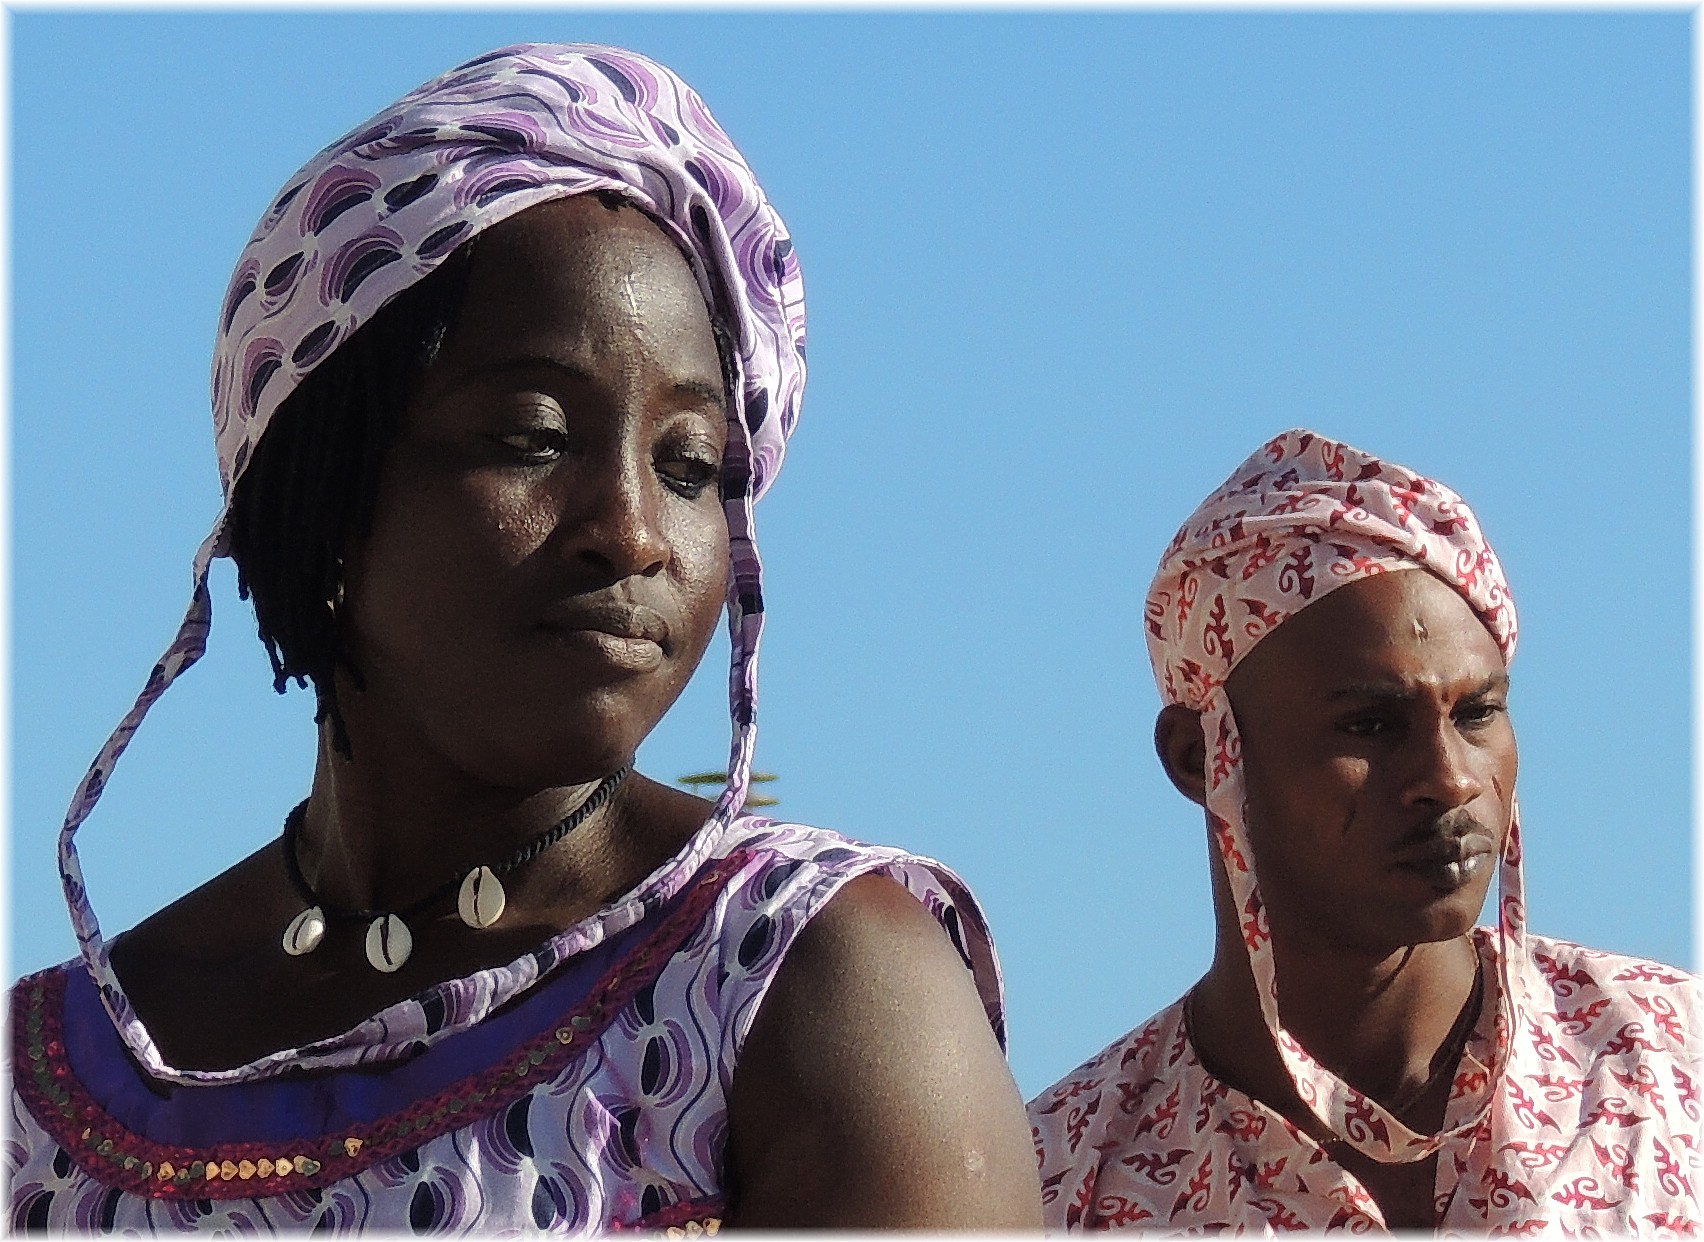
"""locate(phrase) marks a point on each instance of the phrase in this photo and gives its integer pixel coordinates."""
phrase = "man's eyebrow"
(1497, 683)
(1378, 691)
(1396, 692)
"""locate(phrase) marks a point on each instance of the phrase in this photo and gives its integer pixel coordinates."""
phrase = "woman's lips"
(630, 637)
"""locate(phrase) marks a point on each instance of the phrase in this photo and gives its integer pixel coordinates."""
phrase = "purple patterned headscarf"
(380, 208)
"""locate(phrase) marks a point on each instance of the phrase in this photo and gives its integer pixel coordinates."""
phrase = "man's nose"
(1448, 769)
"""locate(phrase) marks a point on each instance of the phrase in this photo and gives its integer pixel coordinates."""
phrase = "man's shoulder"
(1126, 1071)
(1131, 1137)
(1613, 1001)
(1605, 962)
(1570, 968)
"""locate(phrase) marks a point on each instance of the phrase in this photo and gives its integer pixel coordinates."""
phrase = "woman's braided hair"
(308, 493)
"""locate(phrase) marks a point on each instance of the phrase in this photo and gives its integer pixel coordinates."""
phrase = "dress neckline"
(401, 1029)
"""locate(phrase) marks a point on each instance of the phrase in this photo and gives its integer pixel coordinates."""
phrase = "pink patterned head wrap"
(1301, 517)
(377, 210)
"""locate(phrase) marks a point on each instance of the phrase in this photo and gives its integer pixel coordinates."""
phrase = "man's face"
(1380, 765)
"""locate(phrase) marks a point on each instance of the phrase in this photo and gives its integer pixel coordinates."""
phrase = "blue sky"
(1064, 272)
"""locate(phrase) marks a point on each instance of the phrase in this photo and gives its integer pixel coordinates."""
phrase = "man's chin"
(1450, 917)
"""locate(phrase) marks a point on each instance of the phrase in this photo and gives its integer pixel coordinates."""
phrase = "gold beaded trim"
(693, 1229)
(226, 1170)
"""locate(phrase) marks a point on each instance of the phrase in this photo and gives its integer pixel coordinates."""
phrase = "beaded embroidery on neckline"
(116, 1156)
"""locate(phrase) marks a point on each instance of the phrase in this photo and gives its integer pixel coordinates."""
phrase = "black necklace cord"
(531, 850)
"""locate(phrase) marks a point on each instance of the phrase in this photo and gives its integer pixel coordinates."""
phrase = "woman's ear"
(1182, 749)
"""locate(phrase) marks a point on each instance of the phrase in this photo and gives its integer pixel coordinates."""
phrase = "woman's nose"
(615, 521)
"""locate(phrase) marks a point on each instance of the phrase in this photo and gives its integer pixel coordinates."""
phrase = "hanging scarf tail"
(185, 649)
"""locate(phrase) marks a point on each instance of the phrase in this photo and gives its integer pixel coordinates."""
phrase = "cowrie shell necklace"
(480, 900)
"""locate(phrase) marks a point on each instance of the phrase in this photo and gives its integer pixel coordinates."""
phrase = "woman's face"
(548, 556)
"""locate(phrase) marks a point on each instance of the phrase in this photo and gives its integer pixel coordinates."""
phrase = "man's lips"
(1435, 850)
(1447, 860)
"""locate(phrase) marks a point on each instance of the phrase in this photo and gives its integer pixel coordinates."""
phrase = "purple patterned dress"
(581, 1088)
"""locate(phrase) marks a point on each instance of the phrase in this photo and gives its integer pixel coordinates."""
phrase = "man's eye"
(1365, 726)
(1470, 715)
(689, 476)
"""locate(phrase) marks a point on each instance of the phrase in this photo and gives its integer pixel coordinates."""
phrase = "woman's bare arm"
(871, 1092)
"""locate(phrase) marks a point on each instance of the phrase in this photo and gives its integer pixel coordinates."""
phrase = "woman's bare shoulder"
(224, 918)
(873, 1078)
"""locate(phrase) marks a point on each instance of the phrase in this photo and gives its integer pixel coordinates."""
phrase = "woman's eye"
(535, 444)
(690, 476)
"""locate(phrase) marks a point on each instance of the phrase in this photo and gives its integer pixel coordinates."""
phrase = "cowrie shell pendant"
(305, 932)
(481, 900)
(389, 943)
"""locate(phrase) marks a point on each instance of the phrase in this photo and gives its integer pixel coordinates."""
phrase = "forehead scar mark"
(1420, 630)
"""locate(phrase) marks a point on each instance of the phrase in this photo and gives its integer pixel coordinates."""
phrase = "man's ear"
(1182, 749)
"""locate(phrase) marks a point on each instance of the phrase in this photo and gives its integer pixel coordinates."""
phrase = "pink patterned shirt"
(1597, 1125)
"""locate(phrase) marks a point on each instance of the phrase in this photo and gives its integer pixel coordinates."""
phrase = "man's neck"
(1385, 1024)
